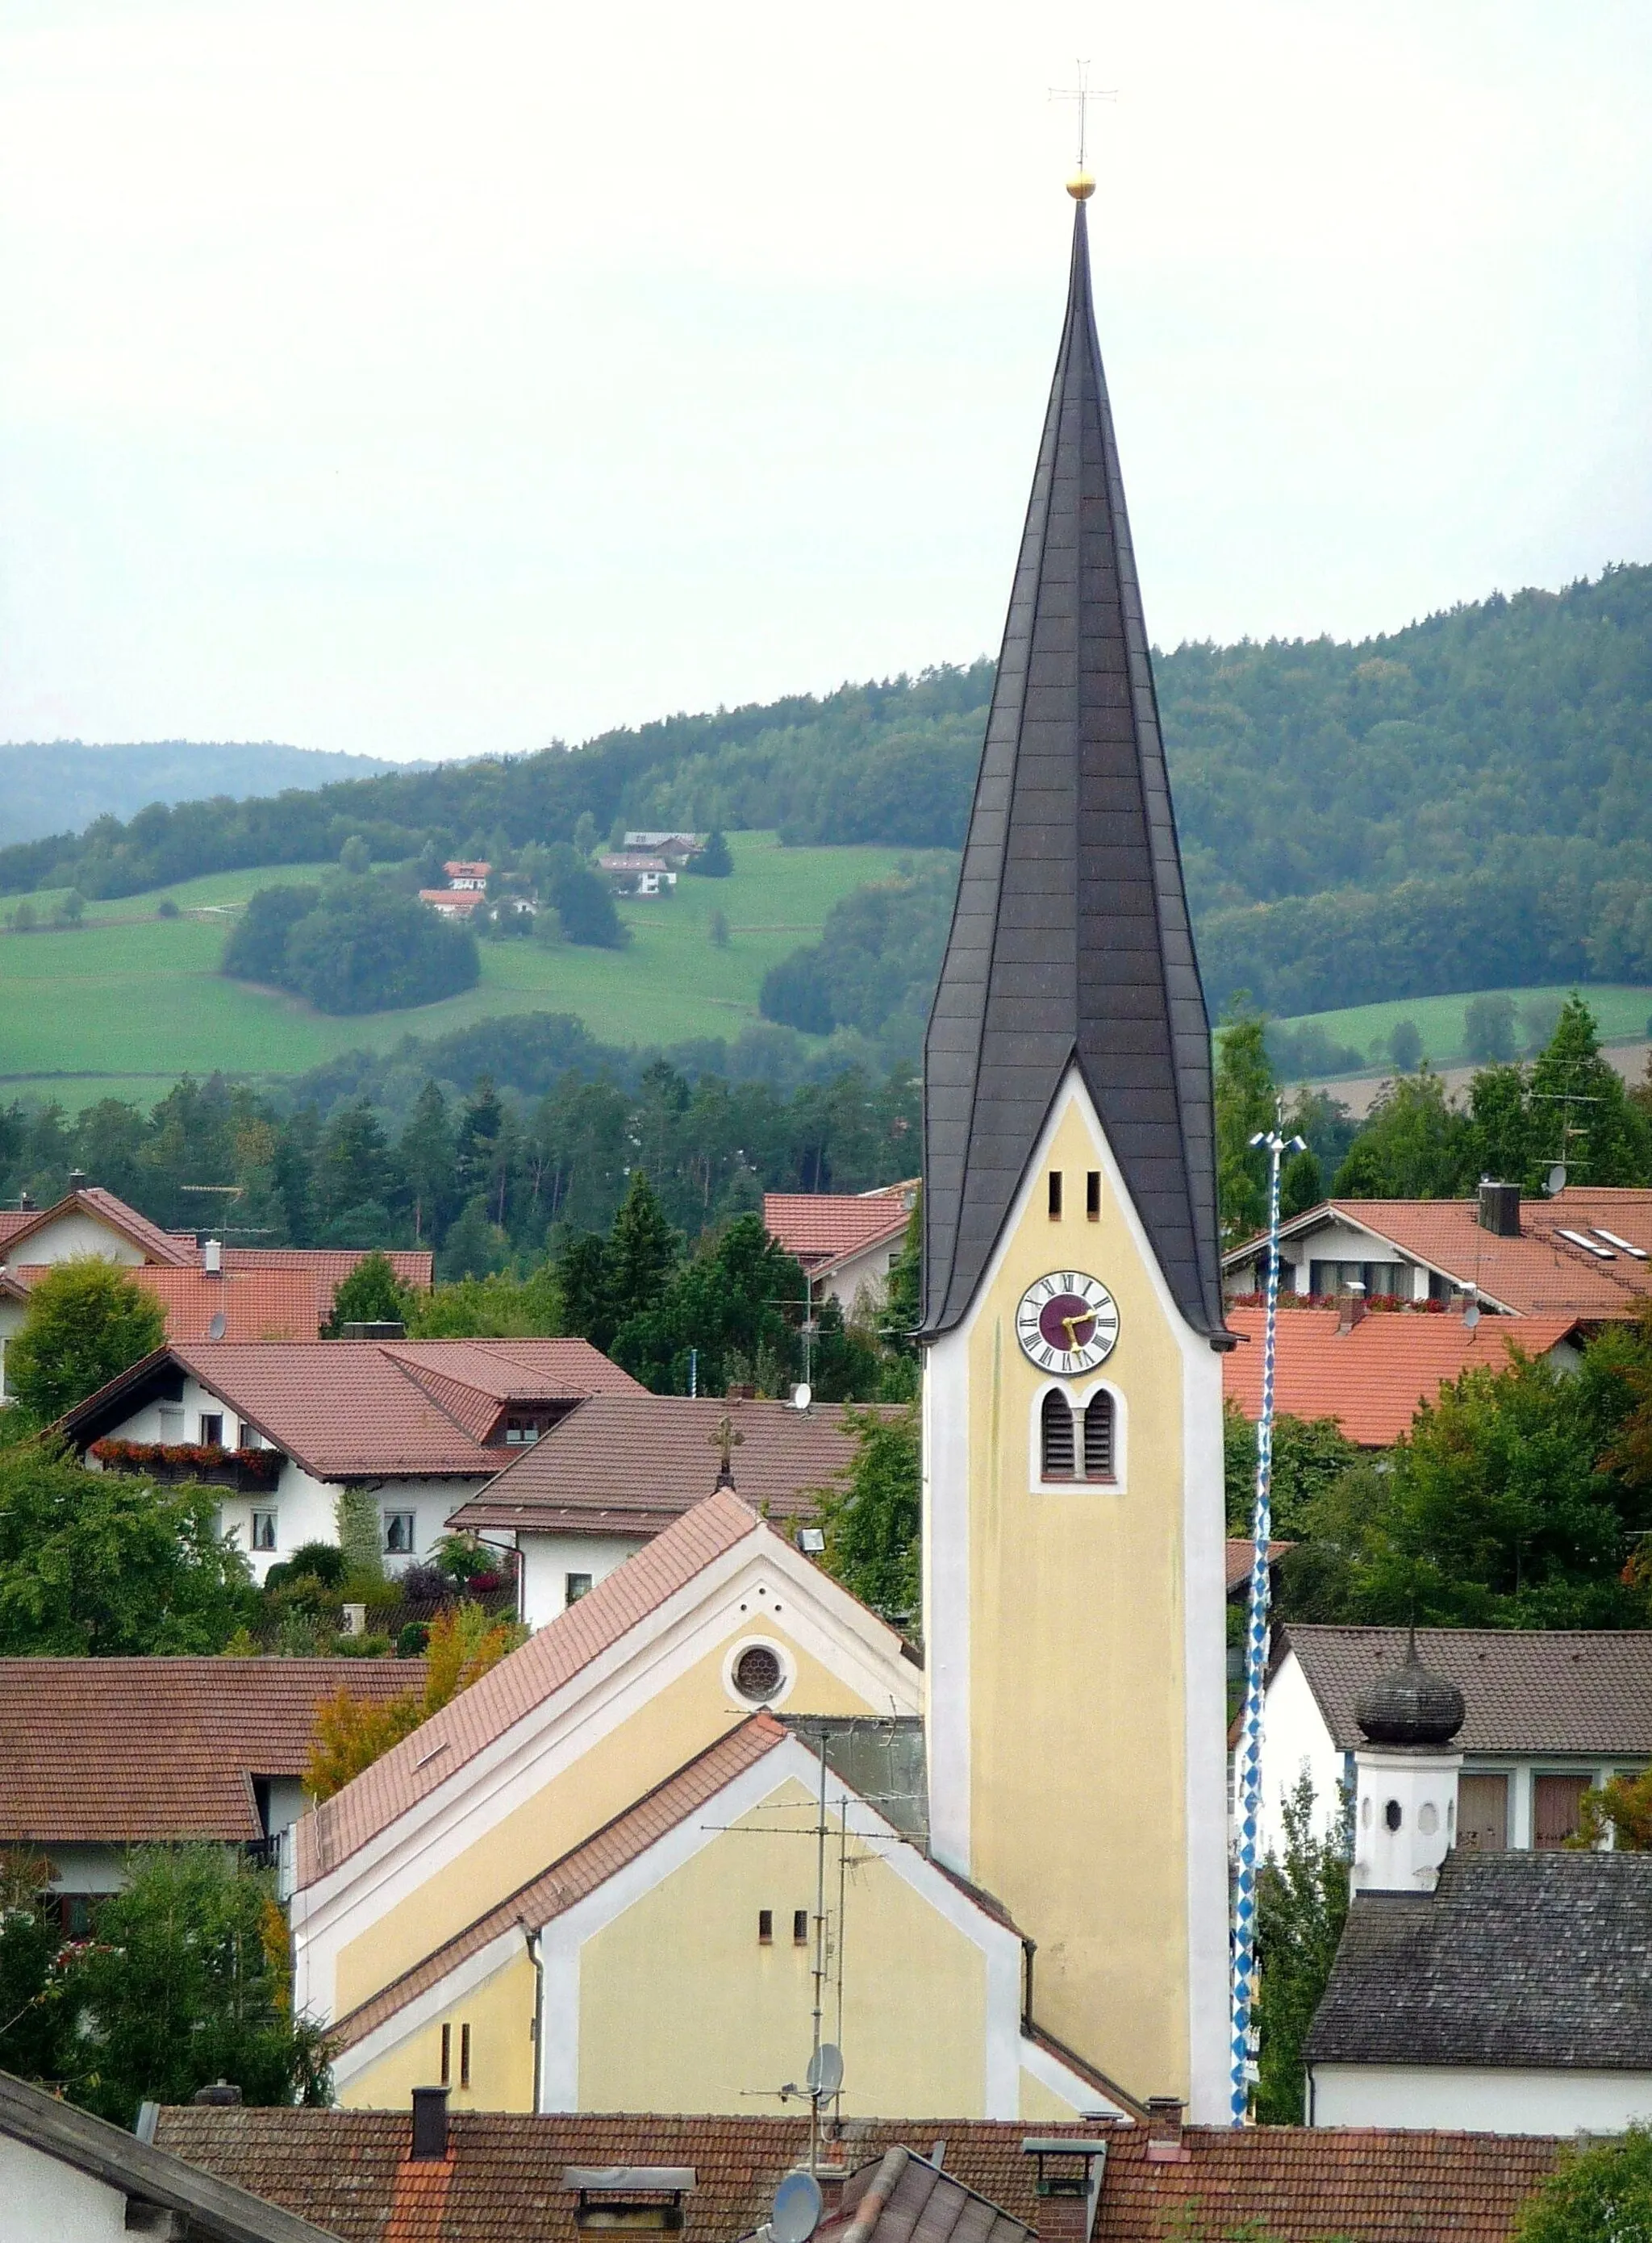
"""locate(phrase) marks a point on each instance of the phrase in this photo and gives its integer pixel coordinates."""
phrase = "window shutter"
(1098, 1438)
(1056, 1437)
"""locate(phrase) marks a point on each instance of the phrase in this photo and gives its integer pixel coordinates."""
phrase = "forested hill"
(1465, 802)
(46, 785)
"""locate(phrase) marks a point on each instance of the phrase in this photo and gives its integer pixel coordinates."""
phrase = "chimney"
(1164, 2143)
(741, 1394)
(77, 1180)
(429, 2125)
(212, 1257)
(223, 2093)
(1351, 1307)
(1068, 2186)
(1499, 1209)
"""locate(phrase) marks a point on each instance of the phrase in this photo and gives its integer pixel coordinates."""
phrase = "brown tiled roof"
(918, 2200)
(1373, 1379)
(525, 1680)
(1238, 1555)
(356, 1408)
(579, 1871)
(331, 1265)
(631, 1462)
(822, 1228)
(158, 1244)
(1540, 1273)
(1585, 1691)
(137, 1751)
(256, 1304)
(340, 2168)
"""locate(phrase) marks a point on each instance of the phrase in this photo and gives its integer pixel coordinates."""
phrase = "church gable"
(757, 1625)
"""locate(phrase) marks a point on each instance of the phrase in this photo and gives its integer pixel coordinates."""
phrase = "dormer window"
(521, 1432)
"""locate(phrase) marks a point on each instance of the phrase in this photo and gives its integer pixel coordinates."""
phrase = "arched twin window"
(1081, 1450)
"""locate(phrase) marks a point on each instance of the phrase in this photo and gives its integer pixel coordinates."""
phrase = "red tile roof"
(1372, 1378)
(824, 1228)
(1238, 1561)
(579, 1871)
(1540, 1273)
(359, 1409)
(256, 1304)
(157, 1245)
(341, 2169)
(330, 1265)
(901, 2196)
(524, 1680)
(631, 1462)
(140, 1751)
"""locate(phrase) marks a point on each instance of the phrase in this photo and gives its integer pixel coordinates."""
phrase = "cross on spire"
(1083, 93)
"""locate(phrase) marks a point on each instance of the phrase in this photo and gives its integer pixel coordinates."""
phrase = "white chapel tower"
(1073, 1582)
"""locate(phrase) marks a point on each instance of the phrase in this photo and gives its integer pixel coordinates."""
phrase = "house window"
(263, 1529)
(522, 1433)
(1557, 1802)
(1055, 1194)
(249, 1437)
(766, 1927)
(398, 1533)
(1098, 1436)
(1093, 1195)
(1054, 1437)
(578, 1585)
(800, 1927)
(212, 1432)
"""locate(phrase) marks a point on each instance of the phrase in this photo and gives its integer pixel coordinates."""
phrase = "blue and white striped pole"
(1249, 1786)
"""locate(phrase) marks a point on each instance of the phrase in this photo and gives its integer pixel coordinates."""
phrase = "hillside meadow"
(129, 1000)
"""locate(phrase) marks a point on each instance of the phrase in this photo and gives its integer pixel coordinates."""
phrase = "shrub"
(86, 1321)
(166, 908)
(425, 1583)
(357, 946)
(413, 1640)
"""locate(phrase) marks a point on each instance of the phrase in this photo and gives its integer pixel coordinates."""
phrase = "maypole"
(1249, 1786)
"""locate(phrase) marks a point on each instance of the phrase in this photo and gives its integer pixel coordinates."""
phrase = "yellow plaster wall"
(666, 1731)
(500, 2013)
(682, 2009)
(1042, 2106)
(1078, 1821)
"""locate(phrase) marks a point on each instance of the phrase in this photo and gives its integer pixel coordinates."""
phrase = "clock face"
(1067, 1323)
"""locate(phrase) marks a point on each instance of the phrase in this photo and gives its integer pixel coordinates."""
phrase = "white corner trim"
(946, 1559)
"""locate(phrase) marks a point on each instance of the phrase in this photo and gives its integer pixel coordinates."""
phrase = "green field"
(123, 1005)
(1623, 1011)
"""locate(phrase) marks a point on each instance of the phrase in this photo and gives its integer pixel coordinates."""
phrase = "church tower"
(1073, 1559)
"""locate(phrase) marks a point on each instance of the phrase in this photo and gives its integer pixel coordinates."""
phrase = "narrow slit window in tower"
(1055, 1194)
(766, 1927)
(447, 2054)
(800, 1927)
(1055, 1437)
(1098, 1438)
(464, 2056)
(1093, 1195)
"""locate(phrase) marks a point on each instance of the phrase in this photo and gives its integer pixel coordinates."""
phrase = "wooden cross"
(1084, 94)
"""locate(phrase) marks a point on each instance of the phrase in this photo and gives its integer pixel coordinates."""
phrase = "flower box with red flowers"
(201, 1461)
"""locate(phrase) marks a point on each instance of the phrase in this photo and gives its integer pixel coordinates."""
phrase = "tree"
(355, 946)
(713, 862)
(873, 1520)
(1586, 1118)
(1310, 1454)
(355, 856)
(1414, 1145)
(716, 929)
(643, 1252)
(187, 1981)
(354, 1178)
(1302, 1903)
(107, 1564)
(1246, 1101)
(71, 910)
(1620, 1812)
(1488, 1029)
(371, 1294)
(847, 1365)
(475, 1246)
(729, 1302)
(1301, 1185)
(1601, 2194)
(796, 994)
(464, 1643)
(425, 1154)
(584, 902)
(86, 1321)
(1405, 1045)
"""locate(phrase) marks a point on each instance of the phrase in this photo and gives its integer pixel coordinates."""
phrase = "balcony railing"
(250, 1471)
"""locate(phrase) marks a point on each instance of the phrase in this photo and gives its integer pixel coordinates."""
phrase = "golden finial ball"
(1080, 186)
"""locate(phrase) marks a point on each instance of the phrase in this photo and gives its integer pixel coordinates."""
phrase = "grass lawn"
(1622, 1010)
(123, 1005)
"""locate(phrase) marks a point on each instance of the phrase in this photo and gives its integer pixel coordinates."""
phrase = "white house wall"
(548, 1560)
(69, 1236)
(44, 2196)
(1294, 1736)
(859, 1280)
(1488, 2099)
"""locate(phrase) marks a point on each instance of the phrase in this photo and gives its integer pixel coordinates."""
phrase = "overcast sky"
(445, 375)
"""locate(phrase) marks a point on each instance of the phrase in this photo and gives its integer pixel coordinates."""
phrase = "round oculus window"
(758, 1673)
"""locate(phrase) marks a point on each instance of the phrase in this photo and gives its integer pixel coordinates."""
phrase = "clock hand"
(1088, 1318)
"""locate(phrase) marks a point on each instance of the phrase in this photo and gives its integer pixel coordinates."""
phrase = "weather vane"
(1083, 93)
(727, 1437)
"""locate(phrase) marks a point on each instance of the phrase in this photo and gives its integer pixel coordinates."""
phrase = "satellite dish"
(824, 2074)
(1470, 1316)
(219, 1326)
(798, 2207)
(1557, 1178)
(801, 1397)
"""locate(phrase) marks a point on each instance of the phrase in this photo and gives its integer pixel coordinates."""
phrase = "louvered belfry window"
(1098, 1438)
(1056, 1437)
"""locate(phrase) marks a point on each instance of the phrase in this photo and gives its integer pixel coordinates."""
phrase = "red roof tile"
(340, 2168)
(579, 1871)
(331, 1265)
(822, 1228)
(256, 1304)
(354, 1409)
(1540, 1273)
(631, 1462)
(139, 1751)
(1239, 1555)
(524, 1680)
(1373, 1379)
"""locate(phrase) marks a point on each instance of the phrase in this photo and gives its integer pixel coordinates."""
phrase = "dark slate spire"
(1069, 938)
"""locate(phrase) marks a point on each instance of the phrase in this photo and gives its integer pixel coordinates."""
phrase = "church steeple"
(1071, 940)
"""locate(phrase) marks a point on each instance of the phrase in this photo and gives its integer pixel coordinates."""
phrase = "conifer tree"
(1245, 1096)
(426, 1151)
